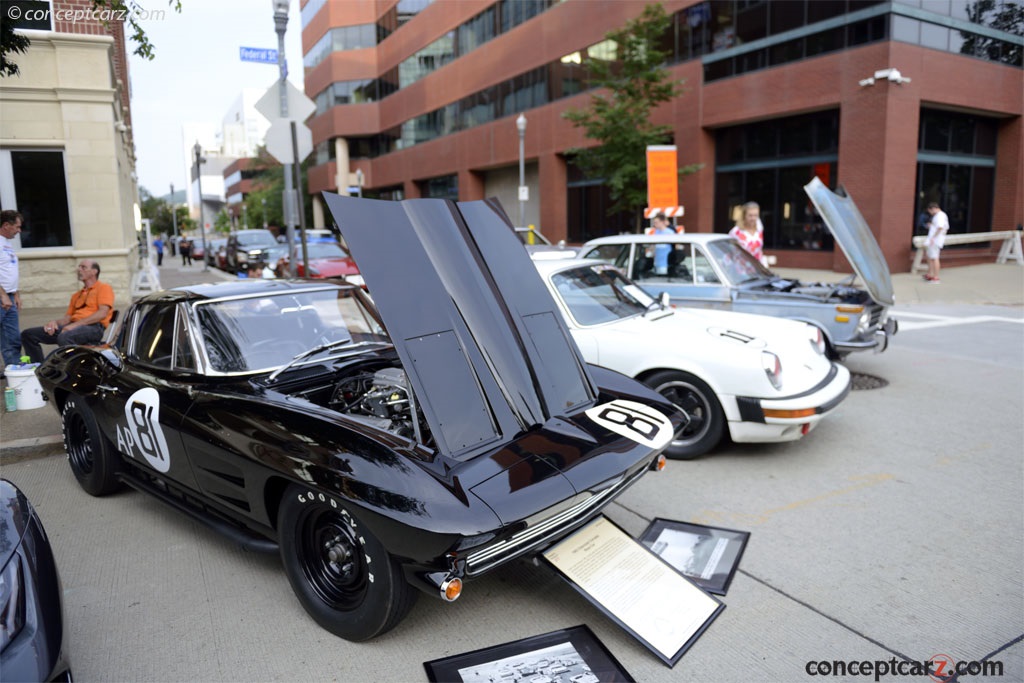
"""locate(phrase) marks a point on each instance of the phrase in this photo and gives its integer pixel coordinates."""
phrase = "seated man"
(87, 316)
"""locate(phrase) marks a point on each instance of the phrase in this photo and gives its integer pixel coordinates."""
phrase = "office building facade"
(901, 103)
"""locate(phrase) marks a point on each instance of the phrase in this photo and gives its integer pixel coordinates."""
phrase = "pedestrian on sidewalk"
(10, 298)
(938, 226)
(186, 251)
(749, 231)
(87, 317)
(158, 244)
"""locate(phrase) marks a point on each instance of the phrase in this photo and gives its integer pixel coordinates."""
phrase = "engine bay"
(374, 393)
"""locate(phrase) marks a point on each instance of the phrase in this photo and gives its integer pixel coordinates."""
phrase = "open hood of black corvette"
(481, 339)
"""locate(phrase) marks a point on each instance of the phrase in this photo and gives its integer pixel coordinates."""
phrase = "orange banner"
(662, 176)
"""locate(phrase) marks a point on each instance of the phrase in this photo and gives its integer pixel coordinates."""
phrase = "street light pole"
(360, 178)
(280, 26)
(264, 200)
(174, 214)
(198, 150)
(521, 126)
(245, 216)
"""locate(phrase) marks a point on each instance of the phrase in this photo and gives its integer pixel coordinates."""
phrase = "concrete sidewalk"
(34, 433)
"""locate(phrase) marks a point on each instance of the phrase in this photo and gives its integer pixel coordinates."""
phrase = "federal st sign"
(258, 54)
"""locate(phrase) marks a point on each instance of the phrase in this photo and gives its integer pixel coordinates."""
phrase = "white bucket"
(27, 392)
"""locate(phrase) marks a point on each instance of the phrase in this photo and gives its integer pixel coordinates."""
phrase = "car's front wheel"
(695, 398)
(340, 572)
(93, 459)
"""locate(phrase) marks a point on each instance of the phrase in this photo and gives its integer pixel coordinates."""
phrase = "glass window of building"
(442, 187)
(769, 162)
(956, 168)
(34, 183)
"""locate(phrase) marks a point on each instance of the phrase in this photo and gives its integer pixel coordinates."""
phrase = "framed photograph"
(638, 590)
(706, 555)
(568, 654)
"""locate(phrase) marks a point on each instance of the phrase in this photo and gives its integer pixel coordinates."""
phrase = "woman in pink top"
(750, 231)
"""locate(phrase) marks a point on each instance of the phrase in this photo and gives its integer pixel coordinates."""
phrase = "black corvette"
(423, 438)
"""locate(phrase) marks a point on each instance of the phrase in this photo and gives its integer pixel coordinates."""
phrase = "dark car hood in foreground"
(854, 237)
(14, 520)
(477, 331)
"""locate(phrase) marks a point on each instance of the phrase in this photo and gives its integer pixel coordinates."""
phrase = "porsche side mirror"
(664, 299)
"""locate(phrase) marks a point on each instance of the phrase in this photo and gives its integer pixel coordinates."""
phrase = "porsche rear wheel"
(93, 458)
(340, 572)
(695, 398)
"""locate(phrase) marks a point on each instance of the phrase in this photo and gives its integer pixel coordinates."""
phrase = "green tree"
(158, 211)
(130, 10)
(630, 86)
(268, 184)
(223, 222)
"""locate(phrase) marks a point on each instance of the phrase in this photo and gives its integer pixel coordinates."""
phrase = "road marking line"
(865, 481)
(930, 321)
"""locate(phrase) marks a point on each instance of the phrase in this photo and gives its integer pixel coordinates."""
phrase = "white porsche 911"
(765, 379)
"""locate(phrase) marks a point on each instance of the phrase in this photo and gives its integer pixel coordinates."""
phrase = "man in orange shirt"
(87, 317)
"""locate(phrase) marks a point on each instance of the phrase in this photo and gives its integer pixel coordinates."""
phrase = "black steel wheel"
(93, 459)
(340, 572)
(695, 398)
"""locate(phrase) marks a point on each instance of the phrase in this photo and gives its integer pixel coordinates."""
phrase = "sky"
(197, 74)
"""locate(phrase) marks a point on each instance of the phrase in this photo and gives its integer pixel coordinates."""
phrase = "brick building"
(422, 97)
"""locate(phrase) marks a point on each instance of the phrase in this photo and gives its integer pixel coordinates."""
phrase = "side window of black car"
(184, 359)
(154, 336)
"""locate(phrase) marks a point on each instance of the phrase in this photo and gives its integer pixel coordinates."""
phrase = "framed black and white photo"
(567, 654)
(635, 588)
(706, 555)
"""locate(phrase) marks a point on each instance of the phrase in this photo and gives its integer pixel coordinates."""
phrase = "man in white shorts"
(937, 228)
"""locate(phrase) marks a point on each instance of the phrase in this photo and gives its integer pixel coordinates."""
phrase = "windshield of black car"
(260, 333)
(737, 263)
(260, 239)
(600, 294)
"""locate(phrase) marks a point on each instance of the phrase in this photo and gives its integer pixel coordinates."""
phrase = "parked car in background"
(217, 252)
(408, 441)
(753, 377)
(327, 259)
(33, 631)
(714, 271)
(246, 245)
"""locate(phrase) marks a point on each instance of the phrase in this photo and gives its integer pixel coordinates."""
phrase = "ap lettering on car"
(144, 434)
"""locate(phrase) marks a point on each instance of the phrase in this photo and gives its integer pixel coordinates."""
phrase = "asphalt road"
(894, 532)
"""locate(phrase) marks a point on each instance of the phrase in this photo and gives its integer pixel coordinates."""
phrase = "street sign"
(257, 54)
(300, 107)
(279, 140)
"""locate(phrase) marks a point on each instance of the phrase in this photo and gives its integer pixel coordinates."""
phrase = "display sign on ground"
(641, 592)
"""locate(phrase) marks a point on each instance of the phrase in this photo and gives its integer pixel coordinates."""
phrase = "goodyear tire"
(93, 459)
(340, 572)
(698, 401)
